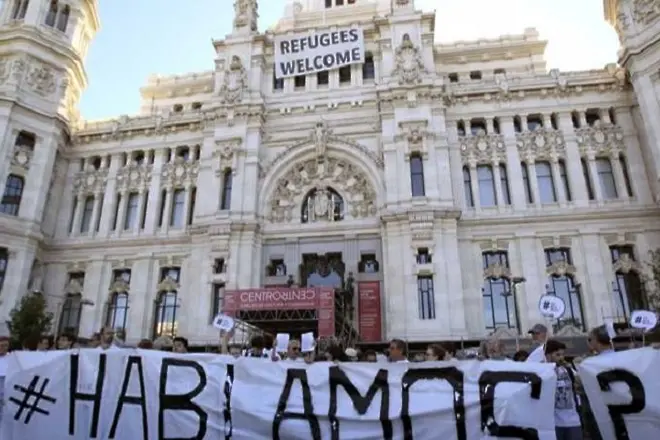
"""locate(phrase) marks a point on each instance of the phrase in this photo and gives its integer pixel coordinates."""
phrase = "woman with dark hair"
(436, 352)
(520, 356)
(336, 353)
(145, 344)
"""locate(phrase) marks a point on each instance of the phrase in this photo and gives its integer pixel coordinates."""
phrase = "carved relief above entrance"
(322, 190)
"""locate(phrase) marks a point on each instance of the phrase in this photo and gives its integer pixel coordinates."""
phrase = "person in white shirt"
(539, 335)
(568, 425)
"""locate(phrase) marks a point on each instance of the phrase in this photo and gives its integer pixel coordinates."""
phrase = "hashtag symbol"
(30, 399)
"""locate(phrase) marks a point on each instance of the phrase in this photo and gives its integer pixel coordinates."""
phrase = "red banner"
(321, 299)
(369, 311)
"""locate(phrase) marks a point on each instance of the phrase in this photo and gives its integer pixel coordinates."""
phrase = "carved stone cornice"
(560, 269)
(541, 144)
(496, 271)
(482, 148)
(625, 264)
(600, 139)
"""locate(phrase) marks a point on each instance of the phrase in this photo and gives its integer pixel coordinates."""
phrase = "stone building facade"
(466, 179)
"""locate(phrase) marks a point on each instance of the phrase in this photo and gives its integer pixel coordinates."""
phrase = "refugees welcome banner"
(304, 54)
(140, 395)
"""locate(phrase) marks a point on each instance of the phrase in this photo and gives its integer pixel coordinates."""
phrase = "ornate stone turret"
(245, 16)
(637, 22)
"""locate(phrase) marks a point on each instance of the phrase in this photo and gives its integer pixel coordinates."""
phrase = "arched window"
(11, 199)
(167, 303)
(368, 68)
(63, 18)
(117, 311)
(628, 287)
(559, 266)
(70, 315)
(322, 204)
(499, 299)
(417, 175)
(467, 187)
(227, 180)
(4, 259)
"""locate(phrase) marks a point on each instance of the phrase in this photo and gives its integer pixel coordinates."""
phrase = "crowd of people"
(573, 418)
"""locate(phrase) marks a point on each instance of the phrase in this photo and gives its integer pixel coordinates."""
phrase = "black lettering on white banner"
(487, 383)
(637, 402)
(226, 412)
(124, 399)
(77, 396)
(281, 414)
(338, 378)
(453, 376)
(181, 402)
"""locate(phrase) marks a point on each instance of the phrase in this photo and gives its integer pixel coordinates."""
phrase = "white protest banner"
(302, 54)
(624, 393)
(142, 395)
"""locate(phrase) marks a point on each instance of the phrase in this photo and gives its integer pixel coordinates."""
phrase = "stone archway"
(347, 179)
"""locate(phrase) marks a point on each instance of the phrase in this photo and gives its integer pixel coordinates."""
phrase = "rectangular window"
(227, 180)
(322, 78)
(486, 180)
(88, 210)
(417, 175)
(606, 178)
(191, 210)
(504, 181)
(545, 182)
(178, 205)
(564, 180)
(131, 217)
(426, 297)
(217, 299)
(163, 202)
(526, 183)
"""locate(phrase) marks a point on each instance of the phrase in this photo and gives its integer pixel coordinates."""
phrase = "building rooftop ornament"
(245, 16)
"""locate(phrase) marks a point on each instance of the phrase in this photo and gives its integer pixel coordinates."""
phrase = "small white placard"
(223, 323)
(552, 306)
(307, 342)
(282, 342)
(609, 326)
(643, 319)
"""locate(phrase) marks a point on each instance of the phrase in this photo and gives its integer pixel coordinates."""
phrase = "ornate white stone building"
(445, 172)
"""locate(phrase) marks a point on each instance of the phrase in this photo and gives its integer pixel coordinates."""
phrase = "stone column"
(534, 288)
(533, 181)
(121, 212)
(619, 177)
(558, 181)
(154, 200)
(633, 154)
(98, 200)
(650, 109)
(574, 169)
(141, 299)
(514, 169)
(167, 211)
(474, 184)
(17, 277)
(453, 279)
(597, 295)
(390, 172)
(109, 198)
(77, 216)
(497, 177)
(593, 175)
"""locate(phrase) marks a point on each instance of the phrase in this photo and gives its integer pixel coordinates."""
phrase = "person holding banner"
(568, 424)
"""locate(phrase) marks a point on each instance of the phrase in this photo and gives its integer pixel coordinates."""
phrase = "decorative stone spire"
(245, 16)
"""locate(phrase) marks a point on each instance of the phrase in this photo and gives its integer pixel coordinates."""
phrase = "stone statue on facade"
(409, 63)
(234, 81)
(320, 136)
